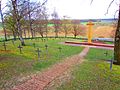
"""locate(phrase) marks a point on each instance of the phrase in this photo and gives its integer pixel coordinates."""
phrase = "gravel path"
(40, 81)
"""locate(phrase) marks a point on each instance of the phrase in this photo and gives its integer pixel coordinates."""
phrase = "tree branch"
(91, 2)
(109, 6)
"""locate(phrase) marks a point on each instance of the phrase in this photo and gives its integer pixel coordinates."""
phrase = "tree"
(22, 11)
(10, 25)
(41, 21)
(17, 17)
(117, 41)
(65, 24)
(117, 36)
(76, 30)
(57, 23)
(3, 25)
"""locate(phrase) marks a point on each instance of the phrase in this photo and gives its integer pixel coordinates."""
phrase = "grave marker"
(46, 47)
(106, 53)
(34, 45)
(60, 49)
(38, 51)
(20, 48)
(42, 39)
(13, 42)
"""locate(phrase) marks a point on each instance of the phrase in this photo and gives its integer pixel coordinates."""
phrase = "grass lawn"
(15, 66)
(94, 73)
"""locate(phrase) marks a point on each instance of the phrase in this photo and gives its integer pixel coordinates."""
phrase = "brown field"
(98, 31)
(103, 31)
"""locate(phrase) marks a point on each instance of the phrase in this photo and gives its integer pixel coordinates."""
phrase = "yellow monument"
(90, 26)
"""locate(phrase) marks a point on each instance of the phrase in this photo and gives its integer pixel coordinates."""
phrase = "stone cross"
(42, 39)
(4, 44)
(38, 51)
(20, 48)
(34, 45)
(106, 53)
(46, 47)
(60, 49)
(90, 25)
(13, 42)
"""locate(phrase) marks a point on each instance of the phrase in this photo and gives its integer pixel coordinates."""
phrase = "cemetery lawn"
(14, 67)
(94, 73)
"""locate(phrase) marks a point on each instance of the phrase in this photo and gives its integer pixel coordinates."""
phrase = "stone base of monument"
(90, 44)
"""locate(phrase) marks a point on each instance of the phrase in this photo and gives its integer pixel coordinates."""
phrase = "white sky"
(81, 9)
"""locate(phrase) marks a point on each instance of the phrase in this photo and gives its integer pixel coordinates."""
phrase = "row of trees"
(25, 19)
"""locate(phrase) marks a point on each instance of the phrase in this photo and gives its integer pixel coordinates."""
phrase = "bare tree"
(17, 18)
(66, 23)
(57, 22)
(76, 31)
(41, 21)
(10, 25)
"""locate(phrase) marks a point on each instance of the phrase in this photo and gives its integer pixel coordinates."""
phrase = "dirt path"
(40, 81)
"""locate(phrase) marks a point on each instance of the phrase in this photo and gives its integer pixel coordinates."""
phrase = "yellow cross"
(90, 25)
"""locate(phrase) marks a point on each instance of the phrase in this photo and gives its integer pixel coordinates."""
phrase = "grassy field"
(15, 66)
(94, 74)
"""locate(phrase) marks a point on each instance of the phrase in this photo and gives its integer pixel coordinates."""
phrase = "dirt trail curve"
(40, 81)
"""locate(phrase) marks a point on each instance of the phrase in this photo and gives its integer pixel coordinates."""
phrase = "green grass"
(14, 65)
(99, 54)
(94, 74)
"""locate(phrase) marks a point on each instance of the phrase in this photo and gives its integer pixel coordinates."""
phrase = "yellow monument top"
(90, 24)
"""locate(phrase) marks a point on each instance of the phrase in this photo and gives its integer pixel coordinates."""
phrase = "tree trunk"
(20, 33)
(14, 34)
(25, 33)
(16, 18)
(65, 33)
(56, 33)
(117, 43)
(46, 31)
(30, 22)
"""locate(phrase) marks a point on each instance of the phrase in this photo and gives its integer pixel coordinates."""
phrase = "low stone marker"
(38, 51)
(13, 42)
(20, 48)
(106, 53)
(34, 45)
(46, 47)
(60, 49)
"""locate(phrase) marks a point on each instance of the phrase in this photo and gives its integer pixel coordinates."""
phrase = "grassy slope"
(14, 65)
(94, 74)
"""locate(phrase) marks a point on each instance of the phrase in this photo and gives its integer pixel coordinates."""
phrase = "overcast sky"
(81, 9)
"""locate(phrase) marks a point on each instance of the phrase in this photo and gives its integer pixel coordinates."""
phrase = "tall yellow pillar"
(90, 26)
